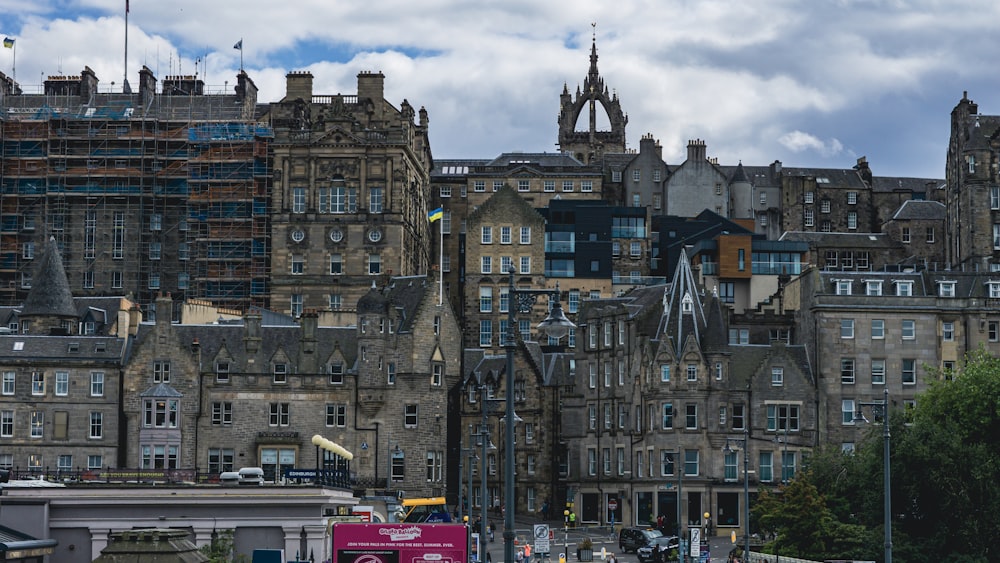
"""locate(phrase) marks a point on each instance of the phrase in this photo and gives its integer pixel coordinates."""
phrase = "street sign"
(695, 542)
(541, 533)
(612, 504)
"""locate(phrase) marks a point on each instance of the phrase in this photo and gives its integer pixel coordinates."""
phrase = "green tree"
(221, 549)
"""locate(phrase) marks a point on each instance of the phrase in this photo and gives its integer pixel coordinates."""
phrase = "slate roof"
(545, 159)
(839, 240)
(887, 184)
(50, 294)
(917, 209)
(17, 348)
(230, 337)
(839, 178)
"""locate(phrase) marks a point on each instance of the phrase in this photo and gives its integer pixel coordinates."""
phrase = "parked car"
(662, 543)
(631, 539)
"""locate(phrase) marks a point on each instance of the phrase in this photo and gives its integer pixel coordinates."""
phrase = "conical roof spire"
(50, 294)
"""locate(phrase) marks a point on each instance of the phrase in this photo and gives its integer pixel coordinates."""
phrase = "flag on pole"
(8, 42)
(435, 214)
(239, 45)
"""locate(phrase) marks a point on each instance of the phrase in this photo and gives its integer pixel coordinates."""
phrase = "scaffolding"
(146, 193)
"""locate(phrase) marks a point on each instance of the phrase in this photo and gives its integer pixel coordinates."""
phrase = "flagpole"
(125, 79)
(441, 263)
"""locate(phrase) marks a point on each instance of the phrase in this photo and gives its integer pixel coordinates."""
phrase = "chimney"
(299, 85)
(251, 338)
(147, 86)
(164, 310)
(88, 85)
(371, 86)
(697, 151)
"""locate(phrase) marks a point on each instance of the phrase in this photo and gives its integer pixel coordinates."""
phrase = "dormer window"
(946, 289)
(843, 287)
(994, 289)
(873, 287)
(281, 373)
(904, 288)
(687, 304)
(222, 371)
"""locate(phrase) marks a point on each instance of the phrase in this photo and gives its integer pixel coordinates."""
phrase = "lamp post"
(882, 407)
(555, 325)
(745, 444)
(566, 533)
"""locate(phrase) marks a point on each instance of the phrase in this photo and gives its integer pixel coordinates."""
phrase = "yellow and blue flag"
(8, 42)
(435, 214)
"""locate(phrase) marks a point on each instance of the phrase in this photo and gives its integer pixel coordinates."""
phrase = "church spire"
(593, 77)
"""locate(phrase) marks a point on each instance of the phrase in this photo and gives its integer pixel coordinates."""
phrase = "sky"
(812, 83)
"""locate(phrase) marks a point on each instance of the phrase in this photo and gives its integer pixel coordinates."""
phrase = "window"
(809, 218)
(824, 206)
(479, 186)
(777, 376)
(664, 372)
(486, 264)
(692, 372)
(485, 299)
(873, 287)
(437, 374)
(523, 185)
(278, 414)
(8, 382)
(298, 264)
(410, 416)
(549, 186)
(929, 235)
(96, 425)
(909, 330)
(222, 413)
(525, 235)
(525, 265)
(948, 331)
(161, 372)
(336, 415)
(485, 333)
(37, 383)
(782, 417)
(994, 197)
(96, 383)
(878, 372)
(505, 235)
(847, 371)
(336, 301)
(160, 413)
(852, 198)
(567, 185)
(36, 421)
(376, 199)
(6, 424)
(904, 288)
(906, 236)
(221, 460)
(298, 200)
(994, 330)
(497, 184)
(691, 416)
(843, 286)
(847, 328)
(691, 463)
(374, 264)
(487, 235)
(336, 370)
(909, 371)
(947, 289)
(667, 416)
(878, 329)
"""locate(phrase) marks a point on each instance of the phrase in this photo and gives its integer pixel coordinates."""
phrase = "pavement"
(564, 540)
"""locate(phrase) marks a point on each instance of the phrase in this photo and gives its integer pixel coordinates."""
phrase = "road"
(565, 540)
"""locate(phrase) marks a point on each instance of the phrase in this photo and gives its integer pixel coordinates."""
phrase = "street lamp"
(566, 533)
(555, 325)
(882, 407)
(745, 444)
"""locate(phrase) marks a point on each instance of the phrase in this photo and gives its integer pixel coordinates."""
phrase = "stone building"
(660, 396)
(973, 189)
(61, 368)
(350, 199)
(218, 397)
(828, 200)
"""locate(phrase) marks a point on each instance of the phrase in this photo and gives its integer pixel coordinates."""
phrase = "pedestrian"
(493, 530)
(659, 522)
(545, 510)
(520, 556)
(527, 553)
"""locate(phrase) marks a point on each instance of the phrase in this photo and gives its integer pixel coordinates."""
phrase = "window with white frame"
(777, 376)
(878, 329)
(486, 264)
(847, 328)
(878, 371)
(691, 416)
(909, 328)
(847, 371)
(873, 287)
(485, 299)
(909, 371)
(904, 288)
(487, 234)
(948, 331)
(278, 414)
(946, 289)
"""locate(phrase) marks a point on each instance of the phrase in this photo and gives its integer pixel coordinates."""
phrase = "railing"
(135, 476)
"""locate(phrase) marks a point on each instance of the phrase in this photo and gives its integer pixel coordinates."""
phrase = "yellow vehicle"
(426, 510)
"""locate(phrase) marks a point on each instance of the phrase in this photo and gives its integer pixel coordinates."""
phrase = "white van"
(251, 476)
(229, 478)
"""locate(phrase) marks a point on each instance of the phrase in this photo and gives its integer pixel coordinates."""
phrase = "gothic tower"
(588, 146)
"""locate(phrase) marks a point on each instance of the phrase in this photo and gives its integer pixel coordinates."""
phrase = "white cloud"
(799, 141)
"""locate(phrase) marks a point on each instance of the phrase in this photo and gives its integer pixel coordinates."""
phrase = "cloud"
(799, 141)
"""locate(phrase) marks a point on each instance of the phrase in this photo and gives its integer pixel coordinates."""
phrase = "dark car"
(631, 539)
(662, 543)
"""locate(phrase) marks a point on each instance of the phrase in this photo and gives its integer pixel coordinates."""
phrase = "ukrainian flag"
(435, 214)
(8, 42)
